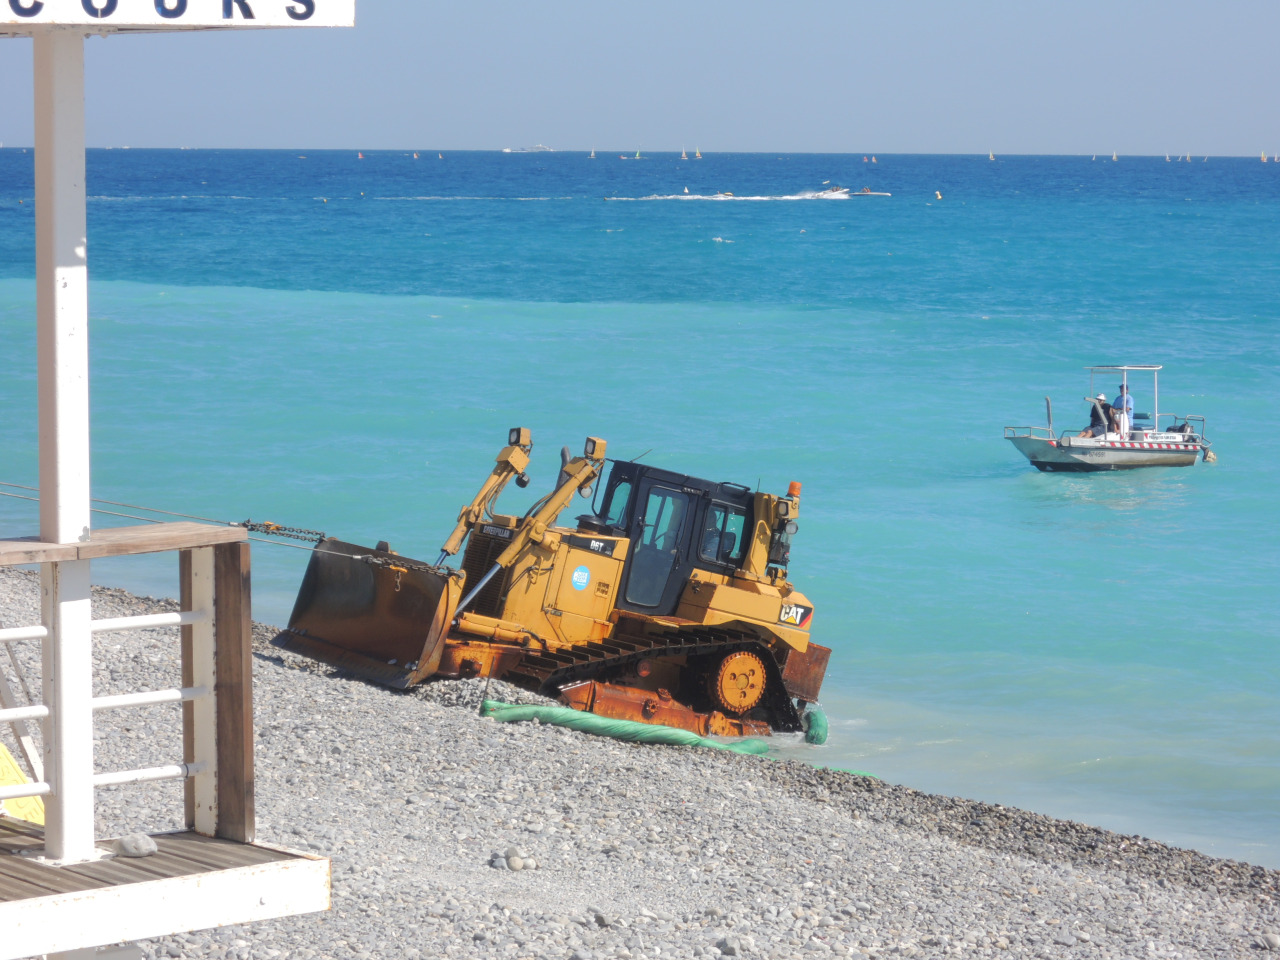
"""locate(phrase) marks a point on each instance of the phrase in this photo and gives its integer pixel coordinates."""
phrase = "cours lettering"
(175, 9)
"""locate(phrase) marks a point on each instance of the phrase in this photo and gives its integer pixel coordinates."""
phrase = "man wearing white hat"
(1099, 417)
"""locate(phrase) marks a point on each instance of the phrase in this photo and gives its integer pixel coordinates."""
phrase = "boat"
(1166, 158)
(991, 156)
(638, 157)
(592, 154)
(359, 155)
(1113, 155)
(683, 155)
(697, 154)
(1153, 439)
(415, 154)
(440, 156)
(1264, 156)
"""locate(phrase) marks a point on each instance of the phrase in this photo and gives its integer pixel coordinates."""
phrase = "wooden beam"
(120, 542)
(233, 639)
(33, 550)
(188, 680)
(157, 538)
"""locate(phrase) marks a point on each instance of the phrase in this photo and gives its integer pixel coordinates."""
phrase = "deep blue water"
(342, 344)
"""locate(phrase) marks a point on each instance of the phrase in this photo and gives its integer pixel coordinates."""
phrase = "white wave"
(804, 195)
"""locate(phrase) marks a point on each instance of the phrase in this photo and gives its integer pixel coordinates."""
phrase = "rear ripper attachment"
(667, 603)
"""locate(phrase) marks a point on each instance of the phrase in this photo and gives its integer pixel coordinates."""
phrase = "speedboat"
(1152, 439)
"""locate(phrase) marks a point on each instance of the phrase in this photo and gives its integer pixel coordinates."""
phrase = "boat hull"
(1088, 455)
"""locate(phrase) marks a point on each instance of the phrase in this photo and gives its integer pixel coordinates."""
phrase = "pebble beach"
(451, 835)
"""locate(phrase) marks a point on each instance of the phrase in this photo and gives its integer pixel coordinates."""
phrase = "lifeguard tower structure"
(60, 894)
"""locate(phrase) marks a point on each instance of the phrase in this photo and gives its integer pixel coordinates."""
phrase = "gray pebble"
(135, 845)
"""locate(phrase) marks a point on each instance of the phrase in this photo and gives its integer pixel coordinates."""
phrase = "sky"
(720, 75)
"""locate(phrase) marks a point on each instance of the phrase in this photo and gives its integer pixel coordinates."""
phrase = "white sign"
(135, 15)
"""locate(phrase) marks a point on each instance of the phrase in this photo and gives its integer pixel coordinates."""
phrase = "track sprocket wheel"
(738, 683)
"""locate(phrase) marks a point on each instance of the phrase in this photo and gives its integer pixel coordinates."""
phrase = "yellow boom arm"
(511, 463)
(577, 475)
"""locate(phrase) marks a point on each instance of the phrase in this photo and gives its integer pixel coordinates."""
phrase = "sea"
(339, 341)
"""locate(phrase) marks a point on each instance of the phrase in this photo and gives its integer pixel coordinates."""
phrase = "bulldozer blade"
(376, 614)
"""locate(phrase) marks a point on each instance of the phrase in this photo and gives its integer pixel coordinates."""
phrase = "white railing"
(1039, 433)
(214, 696)
(202, 570)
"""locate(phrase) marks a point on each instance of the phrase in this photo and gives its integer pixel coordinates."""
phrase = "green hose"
(617, 729)
(815, 725)
(815, 722)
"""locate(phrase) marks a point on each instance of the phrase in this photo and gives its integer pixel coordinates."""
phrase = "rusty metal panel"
(619, 702)
(803, 673)
(377, 614)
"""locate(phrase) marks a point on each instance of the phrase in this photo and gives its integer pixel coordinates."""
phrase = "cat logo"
(795, 614)
(501, 533)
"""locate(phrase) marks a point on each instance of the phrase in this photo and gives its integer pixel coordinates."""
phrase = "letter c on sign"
(308, 8)
(107, 9)
(171, 13)
(17, 7)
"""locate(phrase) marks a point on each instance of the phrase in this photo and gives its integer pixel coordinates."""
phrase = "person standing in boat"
(1123, 406)
(1100, 418)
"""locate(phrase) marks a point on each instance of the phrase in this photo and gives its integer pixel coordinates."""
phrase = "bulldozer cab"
(676, 523)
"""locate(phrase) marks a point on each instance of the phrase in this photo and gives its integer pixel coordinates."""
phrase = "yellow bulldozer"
(668, 603)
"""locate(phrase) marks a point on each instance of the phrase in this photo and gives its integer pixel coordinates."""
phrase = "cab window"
(722, 540)
(615, 511)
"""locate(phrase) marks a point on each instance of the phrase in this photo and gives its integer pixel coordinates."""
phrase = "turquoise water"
(269, 343)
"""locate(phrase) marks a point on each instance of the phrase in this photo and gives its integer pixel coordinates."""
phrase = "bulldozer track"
(548, 671)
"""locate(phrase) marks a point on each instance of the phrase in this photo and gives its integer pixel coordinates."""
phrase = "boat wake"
(843, 194)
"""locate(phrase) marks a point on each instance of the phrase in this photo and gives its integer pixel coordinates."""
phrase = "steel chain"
(277, 530)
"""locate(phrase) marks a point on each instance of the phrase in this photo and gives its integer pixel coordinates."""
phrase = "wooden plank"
(157, 538)
(17, 890)
(234, 690)
(31, 550)
(48, 879)
(223, 854)
(121, 870)
(14, 844)
(188, 680)
(120, 541)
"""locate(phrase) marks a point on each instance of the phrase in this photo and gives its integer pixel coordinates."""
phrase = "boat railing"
(1197, 422)
(1039, 433)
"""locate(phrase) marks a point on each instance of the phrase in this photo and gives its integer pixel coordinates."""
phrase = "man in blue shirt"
(1123, 406)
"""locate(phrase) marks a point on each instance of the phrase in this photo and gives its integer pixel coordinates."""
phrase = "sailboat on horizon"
(1113, 156)
(990, 156)
(592, 154)
(697, 154)
(683, 155)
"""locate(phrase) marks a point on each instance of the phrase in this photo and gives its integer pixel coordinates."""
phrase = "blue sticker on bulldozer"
(581, 577)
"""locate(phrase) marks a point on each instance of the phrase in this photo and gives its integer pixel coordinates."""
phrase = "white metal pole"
(62, 318)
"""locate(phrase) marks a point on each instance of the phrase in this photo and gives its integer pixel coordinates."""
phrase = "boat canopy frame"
(1047, 432)
(1123, 369)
